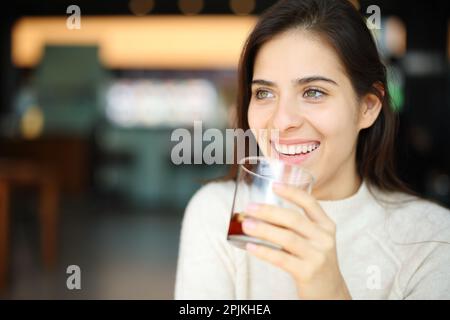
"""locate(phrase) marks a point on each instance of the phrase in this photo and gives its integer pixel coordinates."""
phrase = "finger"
(285, 238)
(287, 218)
(279, 258)
(303, 199)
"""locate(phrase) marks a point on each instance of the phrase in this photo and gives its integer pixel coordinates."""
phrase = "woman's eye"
(263, 94)
(313, 93)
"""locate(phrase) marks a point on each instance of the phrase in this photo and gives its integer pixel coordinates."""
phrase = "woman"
(311, 70)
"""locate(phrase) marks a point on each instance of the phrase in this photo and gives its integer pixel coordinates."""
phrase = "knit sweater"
(389, 246)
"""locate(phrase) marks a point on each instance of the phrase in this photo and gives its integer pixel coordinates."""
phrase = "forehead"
(297, 53)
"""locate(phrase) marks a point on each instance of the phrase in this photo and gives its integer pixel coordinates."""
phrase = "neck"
(340, 186)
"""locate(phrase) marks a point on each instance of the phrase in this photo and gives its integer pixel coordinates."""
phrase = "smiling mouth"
(292, 150)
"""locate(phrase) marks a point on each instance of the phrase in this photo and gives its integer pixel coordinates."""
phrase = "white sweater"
(384, 251)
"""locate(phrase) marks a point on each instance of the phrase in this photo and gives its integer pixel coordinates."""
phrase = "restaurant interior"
(90, 93)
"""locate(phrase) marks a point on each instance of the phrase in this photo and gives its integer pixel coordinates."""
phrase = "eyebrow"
(298, 81)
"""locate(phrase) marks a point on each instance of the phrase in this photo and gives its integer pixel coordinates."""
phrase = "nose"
(287, 115)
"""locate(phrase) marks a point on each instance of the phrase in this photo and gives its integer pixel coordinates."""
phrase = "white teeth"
(292, 149)
(295, 149)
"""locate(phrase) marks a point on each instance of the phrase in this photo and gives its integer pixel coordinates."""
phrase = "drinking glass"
(256, 176)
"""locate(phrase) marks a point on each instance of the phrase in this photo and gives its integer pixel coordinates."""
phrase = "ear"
(370, 107)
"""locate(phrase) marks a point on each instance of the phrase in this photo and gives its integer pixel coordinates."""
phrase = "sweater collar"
(349, 204)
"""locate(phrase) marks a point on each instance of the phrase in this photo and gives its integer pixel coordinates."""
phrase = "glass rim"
(278, 161)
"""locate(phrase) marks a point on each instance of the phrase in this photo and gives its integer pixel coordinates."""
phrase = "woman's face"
(300, 88)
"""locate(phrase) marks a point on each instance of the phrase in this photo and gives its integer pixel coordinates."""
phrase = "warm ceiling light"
(141, 7)
(448, 40)
(356, 4)
(156, 42)
(190, 7)
(32, 123)
(242, 7)
(395, 36)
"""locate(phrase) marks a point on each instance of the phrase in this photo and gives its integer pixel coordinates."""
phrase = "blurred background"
(86, 116)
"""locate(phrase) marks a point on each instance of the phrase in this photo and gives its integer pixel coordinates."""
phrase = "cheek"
(338, 129)
(259, 118)
(258, 121)
(255, 120)
(252, 122)
(331, 126)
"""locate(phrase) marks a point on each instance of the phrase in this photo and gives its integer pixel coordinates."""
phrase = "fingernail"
(249, 224)
(250, 246)
(252, 207)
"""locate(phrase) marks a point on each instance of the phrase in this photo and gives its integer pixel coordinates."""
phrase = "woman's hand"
(308, 242)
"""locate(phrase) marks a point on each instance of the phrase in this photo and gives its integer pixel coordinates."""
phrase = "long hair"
(344, 28)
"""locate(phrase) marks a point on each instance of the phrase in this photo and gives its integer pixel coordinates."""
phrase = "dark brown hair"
(344, 28)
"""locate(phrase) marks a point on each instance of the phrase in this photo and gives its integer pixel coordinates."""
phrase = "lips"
(295, 151)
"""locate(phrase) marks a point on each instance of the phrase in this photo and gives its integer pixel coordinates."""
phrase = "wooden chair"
(25, 173)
